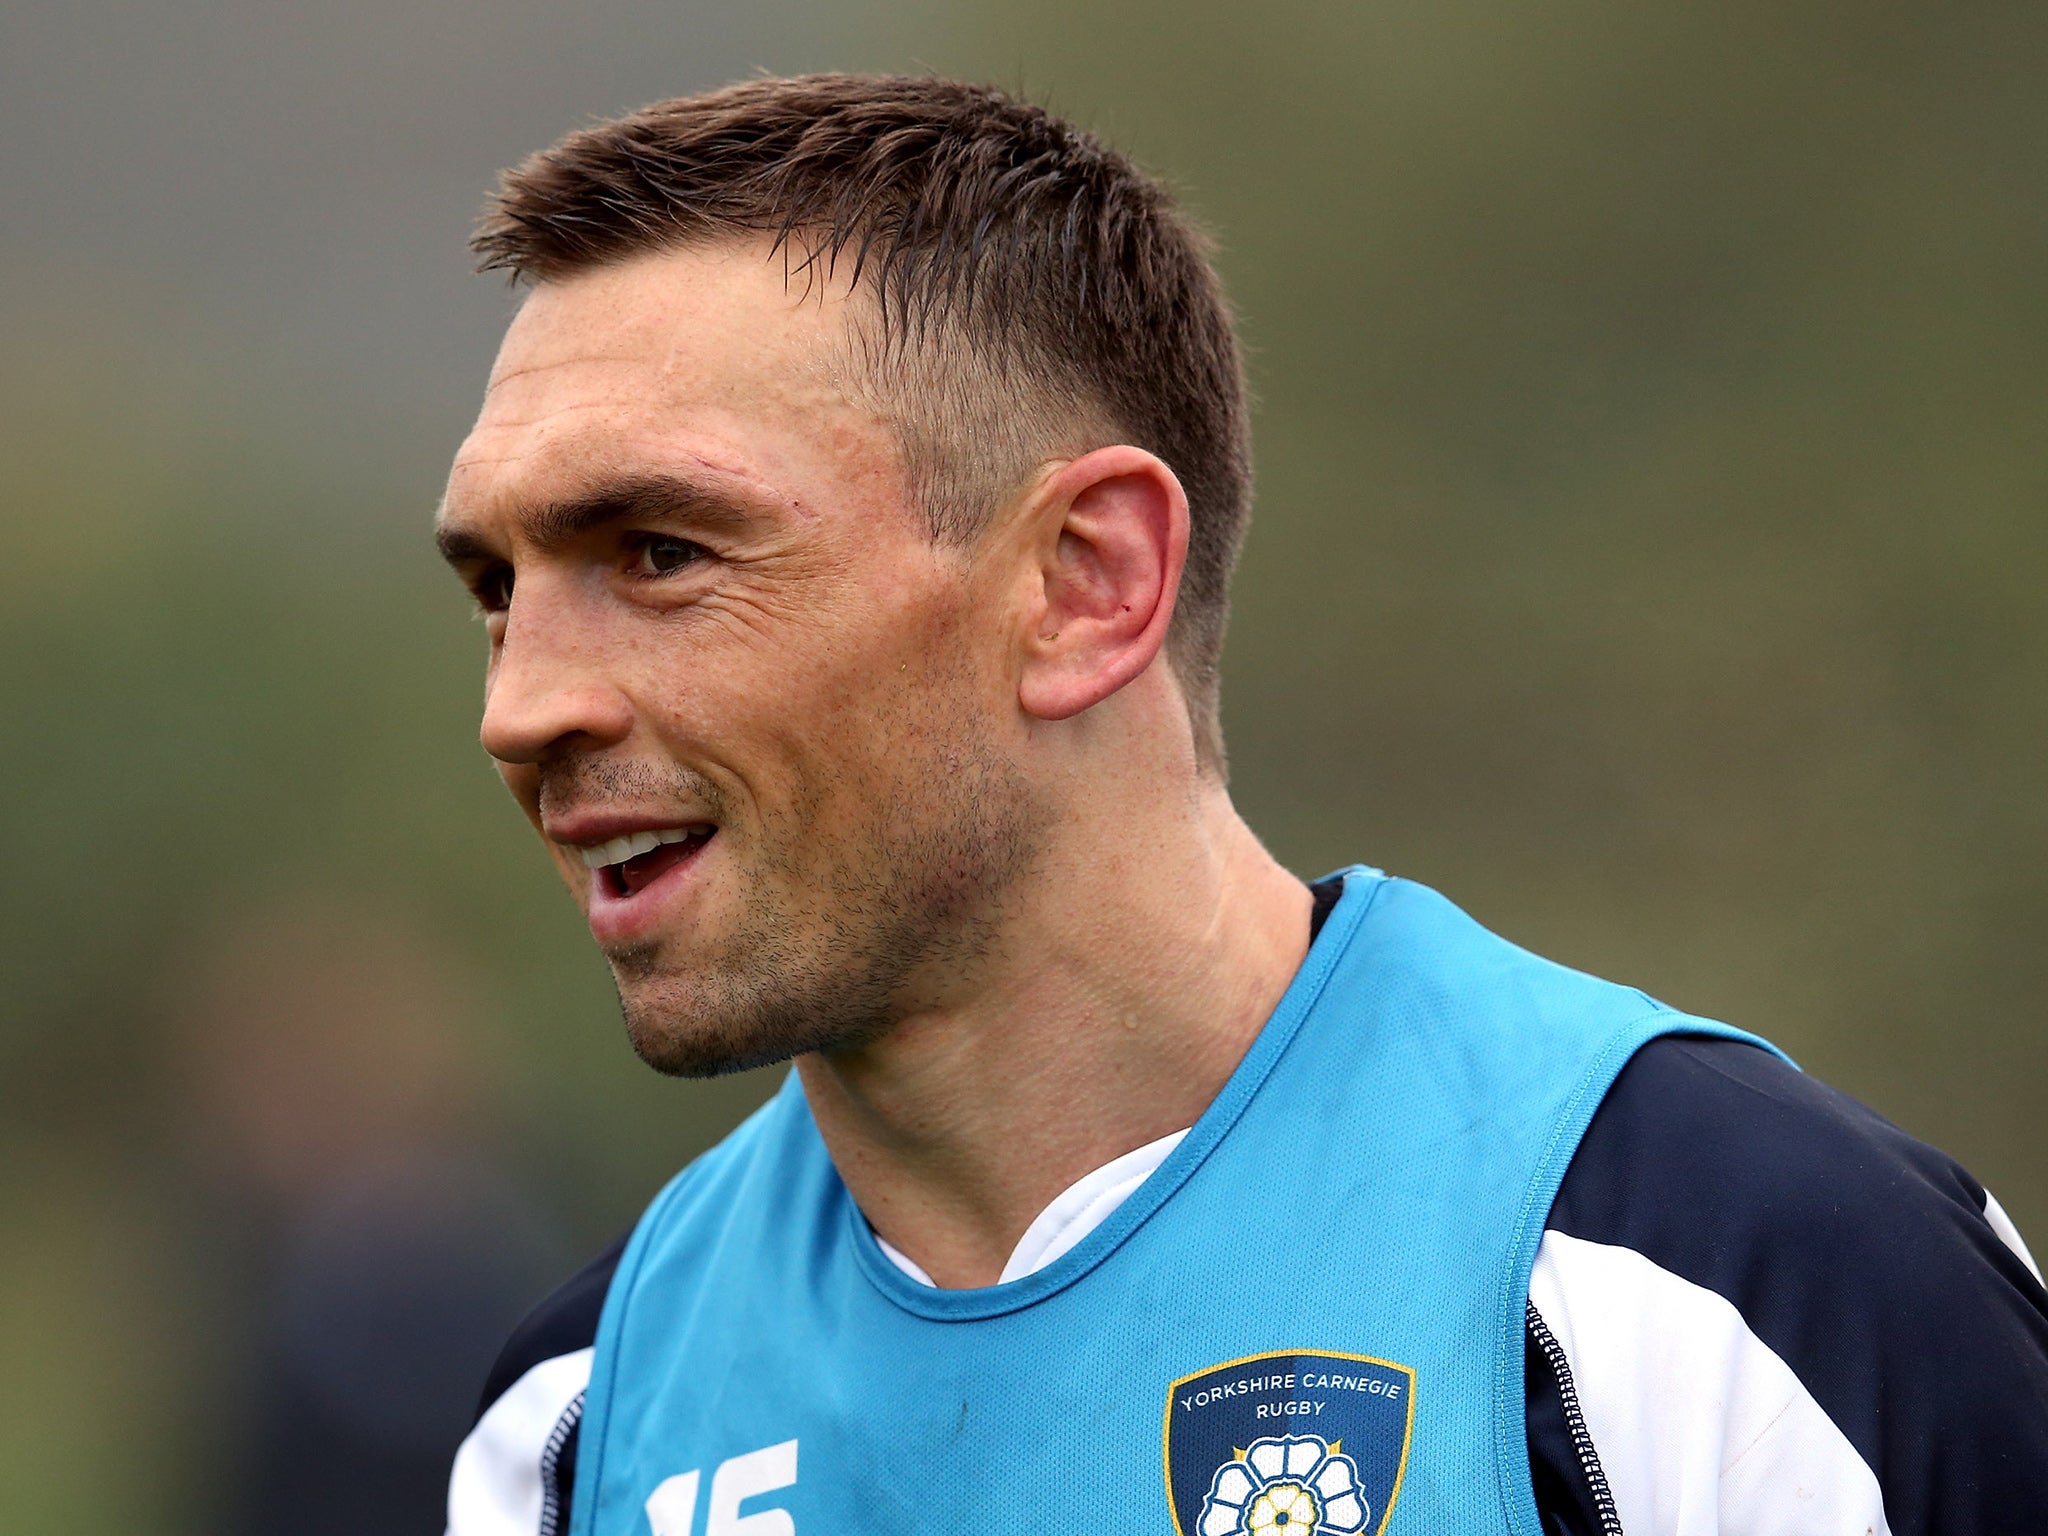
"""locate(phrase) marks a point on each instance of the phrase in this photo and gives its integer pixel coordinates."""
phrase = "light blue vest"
(1307, 1322)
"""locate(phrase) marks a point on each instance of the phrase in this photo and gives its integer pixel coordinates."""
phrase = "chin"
(709, 1027)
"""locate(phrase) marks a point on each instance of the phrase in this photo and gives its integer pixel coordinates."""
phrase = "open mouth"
(627, 865)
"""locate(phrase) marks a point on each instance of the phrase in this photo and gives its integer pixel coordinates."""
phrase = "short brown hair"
(1034, 293)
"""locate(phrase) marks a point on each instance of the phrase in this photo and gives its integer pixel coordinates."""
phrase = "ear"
(1112, 536)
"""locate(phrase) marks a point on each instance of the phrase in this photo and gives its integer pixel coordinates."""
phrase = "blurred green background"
(1650, 553)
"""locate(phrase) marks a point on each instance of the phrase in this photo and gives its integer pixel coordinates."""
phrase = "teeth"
(633, 844)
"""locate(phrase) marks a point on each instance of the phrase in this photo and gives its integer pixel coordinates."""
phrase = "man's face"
(765, 726)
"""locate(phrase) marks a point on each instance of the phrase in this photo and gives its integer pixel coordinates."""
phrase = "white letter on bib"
(672, 1508)
(760, 1471)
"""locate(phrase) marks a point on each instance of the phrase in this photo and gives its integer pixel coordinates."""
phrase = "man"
(852, 510)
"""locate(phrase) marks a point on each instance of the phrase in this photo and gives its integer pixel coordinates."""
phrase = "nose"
(548, 688)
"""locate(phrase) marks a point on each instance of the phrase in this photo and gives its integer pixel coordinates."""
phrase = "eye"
(661, 554)
(493, 588)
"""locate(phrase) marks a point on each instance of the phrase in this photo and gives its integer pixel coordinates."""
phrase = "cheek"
(902, 716)
(907, 673)
(847, 697)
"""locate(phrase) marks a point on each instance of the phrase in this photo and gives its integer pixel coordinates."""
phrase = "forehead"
(706, 360)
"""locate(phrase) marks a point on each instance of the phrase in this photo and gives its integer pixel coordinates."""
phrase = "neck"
(1117, 1003)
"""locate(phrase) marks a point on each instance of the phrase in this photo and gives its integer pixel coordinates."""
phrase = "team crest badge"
(1297, 1443)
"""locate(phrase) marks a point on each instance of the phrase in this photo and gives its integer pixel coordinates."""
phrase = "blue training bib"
(1307, 1322)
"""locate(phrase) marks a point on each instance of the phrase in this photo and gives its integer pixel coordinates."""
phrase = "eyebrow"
(616, 499)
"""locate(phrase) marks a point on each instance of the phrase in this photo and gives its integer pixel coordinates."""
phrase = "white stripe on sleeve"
(495, 1487)
(1700, 1427)
(2008, 1234)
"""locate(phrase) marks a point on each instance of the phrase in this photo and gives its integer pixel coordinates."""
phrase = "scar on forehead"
(480, 461)
(507, 375)
(505, 424)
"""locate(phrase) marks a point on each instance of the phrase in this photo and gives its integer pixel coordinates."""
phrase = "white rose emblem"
(1297, 1485)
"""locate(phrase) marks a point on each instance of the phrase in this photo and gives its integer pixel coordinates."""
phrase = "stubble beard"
(827, 950)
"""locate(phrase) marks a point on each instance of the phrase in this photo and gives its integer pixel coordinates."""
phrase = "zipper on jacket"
(551, 1490)
(1575, 1423)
